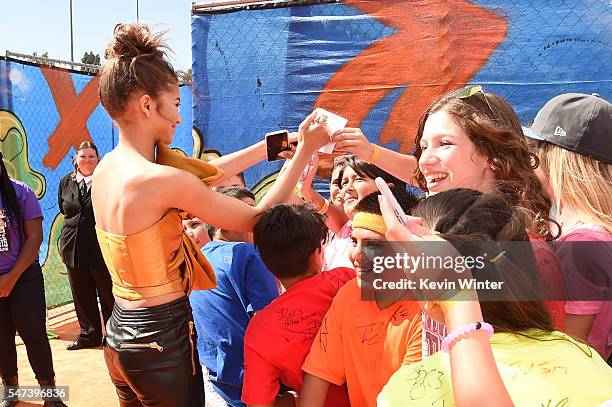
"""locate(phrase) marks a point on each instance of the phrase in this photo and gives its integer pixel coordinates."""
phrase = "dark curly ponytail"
(10, 202)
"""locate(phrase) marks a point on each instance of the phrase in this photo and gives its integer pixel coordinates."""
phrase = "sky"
(29, 26)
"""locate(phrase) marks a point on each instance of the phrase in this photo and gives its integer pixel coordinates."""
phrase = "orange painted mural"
(73, 110)
(381, 63)
(431, 54)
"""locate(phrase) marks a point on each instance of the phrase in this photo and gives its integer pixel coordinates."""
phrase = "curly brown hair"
(495, 129)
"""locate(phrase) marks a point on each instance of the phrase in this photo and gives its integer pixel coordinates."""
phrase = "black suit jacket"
(78, 242)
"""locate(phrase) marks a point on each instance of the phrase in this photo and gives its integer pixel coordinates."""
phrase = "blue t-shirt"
(221, 315)
(11, 238)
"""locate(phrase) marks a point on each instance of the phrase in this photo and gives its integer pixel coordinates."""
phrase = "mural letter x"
(73, 109)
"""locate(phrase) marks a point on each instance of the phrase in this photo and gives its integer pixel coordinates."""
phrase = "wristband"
(325, 207)
(457, 334)
(375, 154)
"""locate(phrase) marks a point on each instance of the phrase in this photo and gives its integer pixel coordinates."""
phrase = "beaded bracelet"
(451, 338)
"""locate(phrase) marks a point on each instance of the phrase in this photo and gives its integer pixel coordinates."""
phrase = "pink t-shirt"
(337, 250)
(551, 281)
(588, 277)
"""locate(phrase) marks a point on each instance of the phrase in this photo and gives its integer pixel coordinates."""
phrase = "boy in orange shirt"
(367, 334)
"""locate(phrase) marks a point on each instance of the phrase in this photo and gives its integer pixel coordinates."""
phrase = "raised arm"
(335, 216)
(475, 377)
(183, 190)
(240, 160)
(353, 141)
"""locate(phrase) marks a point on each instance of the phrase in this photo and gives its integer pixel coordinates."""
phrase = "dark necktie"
(83, 188)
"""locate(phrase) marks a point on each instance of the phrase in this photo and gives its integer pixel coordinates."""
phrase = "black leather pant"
(152, 357)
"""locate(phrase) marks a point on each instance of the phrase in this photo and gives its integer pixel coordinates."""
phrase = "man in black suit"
(89, 277)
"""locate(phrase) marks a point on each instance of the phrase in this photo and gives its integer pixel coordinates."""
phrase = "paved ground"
(84, 371)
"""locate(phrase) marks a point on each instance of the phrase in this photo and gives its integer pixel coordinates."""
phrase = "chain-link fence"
(45, 113)
(261, 66)
(43, 116)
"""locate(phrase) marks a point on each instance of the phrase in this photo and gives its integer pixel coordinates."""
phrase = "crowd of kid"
(330, 339)
(282, 291)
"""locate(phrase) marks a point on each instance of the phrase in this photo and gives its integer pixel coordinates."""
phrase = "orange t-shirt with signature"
(361, 345)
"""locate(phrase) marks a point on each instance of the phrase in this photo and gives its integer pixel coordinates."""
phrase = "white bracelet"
(451, 338)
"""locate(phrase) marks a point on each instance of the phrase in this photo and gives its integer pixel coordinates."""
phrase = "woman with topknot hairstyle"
(138, 190)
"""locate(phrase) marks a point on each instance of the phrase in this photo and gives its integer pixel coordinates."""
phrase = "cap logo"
(559, 132)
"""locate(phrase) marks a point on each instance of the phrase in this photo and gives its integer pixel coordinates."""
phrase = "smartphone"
(277, 142)
(386, 192)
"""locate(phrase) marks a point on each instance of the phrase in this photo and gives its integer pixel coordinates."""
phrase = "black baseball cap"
(577, 122)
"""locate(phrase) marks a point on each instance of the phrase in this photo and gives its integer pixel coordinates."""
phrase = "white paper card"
(334, 123)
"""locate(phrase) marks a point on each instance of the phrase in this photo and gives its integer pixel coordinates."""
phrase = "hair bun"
(135, 62)
(132, 40)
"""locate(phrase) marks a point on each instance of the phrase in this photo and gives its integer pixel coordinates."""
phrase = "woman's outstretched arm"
(353, 141)
(240, 160)
(179, 189)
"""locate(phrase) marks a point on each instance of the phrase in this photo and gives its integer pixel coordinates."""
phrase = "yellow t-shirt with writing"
(554, 371)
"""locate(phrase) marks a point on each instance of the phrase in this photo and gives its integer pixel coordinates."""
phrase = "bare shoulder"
(107, 167)
(167, 178)
(134, 173)
(127, 171)
(166, 186)
(177, 178)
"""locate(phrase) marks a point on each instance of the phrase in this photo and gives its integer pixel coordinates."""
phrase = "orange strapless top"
(160, 259)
